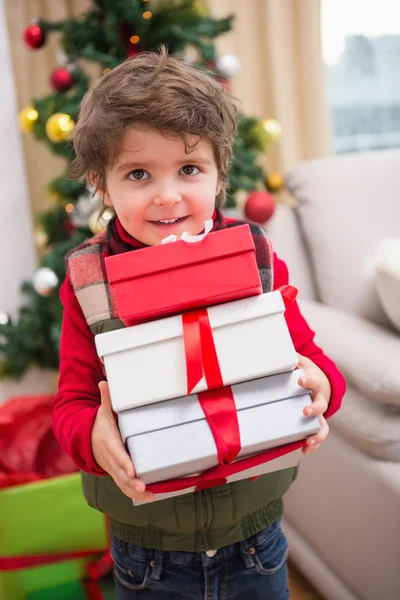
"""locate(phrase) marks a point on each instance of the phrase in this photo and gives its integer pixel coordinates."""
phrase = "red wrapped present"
(49, 536)
(28, 448)
(171, 278)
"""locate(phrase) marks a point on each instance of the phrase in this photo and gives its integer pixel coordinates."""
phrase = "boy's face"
(156, 189)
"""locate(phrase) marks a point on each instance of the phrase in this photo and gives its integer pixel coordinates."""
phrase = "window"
(361, 53)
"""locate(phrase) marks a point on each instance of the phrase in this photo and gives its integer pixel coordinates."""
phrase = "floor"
(300, 589)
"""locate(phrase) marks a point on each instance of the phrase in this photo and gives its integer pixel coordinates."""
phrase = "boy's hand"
(109, 451)
(315, 379)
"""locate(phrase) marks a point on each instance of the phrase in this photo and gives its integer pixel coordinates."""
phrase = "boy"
(154, 137)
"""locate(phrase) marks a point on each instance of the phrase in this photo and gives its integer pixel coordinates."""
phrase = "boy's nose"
(167, 197)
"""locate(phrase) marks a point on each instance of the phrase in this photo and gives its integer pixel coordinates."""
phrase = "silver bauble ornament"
(228, 65)
(62, 57)
(45, 281)
(83, 209)
(4, 318)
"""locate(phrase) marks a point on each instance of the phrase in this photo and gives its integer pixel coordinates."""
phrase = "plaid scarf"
(87, 273)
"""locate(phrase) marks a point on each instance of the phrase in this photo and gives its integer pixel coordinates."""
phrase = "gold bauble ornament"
(99, 219)
(275, 182)
(41, 238)
(27, 118)
(201, 9)
(272, 129)
(57, 197)
(59, 127)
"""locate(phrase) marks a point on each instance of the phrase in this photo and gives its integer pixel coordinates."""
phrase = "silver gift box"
(173, 439)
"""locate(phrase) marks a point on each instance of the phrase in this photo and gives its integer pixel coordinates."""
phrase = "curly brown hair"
(155, 90)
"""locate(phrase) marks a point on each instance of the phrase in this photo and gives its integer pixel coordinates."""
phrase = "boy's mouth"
(168, 222)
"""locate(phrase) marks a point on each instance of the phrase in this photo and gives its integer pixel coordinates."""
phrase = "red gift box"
(171, 278)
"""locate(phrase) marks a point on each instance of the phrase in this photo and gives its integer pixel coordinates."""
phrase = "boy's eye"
(190, 170)
(138, 175)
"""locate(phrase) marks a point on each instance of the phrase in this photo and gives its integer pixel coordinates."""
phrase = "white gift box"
(173, 438)
(146, 363)
(286, 461)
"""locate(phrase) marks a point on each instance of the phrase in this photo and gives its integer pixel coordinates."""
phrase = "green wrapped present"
(46, 517)
(68, 591)
(75, 591)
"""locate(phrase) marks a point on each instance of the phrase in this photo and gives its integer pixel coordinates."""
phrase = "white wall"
(17, 252)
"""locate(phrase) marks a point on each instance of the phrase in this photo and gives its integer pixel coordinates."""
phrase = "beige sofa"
(343, 513)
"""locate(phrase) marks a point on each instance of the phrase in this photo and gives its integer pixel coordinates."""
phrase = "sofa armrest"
(367, 354)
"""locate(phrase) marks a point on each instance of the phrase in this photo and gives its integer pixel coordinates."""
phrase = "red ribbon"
(92, 590)
(289, 294)
(218, 404)
(220, 411)
(193, 348)
(16, 563)
(218, 475)
(201, 355)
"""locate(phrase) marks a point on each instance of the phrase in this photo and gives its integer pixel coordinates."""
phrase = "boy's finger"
(122, 460)
(315, 440)
(318, 407)
(143, 498)
(131, 489)
(146, 497)
(303, 361)
(310, 449)
(307, 381)
(134, 484)
(118, 456)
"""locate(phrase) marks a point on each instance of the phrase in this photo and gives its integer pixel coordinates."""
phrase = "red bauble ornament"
(134, 51)
(34, 36)
(225, 83)
(69, 227)
(62, 79)
(260, 206)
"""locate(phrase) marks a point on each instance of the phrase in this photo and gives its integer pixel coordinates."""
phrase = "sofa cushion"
(387, 277)
(346, 205)
(367, 354)
(284, 232)
(371, 427)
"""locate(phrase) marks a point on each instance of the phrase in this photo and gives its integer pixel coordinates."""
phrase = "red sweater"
(78, 397)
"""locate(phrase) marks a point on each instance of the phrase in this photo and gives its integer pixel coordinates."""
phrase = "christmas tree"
(111, 32)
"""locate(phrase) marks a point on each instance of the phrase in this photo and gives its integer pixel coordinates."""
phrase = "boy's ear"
(219, 187)
(105, 196)
(93, 180)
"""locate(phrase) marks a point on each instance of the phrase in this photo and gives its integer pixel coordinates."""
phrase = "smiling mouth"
(169, 221)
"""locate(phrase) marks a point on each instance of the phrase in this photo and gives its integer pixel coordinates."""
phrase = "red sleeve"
(303, 340)
(78, 398)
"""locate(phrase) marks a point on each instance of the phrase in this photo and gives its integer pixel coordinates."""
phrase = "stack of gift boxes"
(203, 377)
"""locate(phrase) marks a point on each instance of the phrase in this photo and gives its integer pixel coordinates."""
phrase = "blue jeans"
(255, 569)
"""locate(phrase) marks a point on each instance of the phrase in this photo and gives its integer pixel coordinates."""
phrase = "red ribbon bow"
(218, 475)
(218, 405)
(218, 402)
